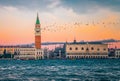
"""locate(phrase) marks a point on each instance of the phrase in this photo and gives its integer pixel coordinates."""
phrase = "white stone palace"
(86, 50)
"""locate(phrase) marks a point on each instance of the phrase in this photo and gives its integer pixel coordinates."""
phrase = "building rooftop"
(86, 43)
(17, 46)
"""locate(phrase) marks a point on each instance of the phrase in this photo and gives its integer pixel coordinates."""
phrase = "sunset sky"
(61, 20)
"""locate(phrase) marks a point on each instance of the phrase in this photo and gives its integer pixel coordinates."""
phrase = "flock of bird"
(69, 27)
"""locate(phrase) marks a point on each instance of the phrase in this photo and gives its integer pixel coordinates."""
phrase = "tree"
(4, 52)
(6, 55)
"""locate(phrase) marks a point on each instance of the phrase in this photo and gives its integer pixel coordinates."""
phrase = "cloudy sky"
(61, 20)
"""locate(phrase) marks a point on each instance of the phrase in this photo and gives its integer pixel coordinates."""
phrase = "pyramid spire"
(74, 40)
(37, 20)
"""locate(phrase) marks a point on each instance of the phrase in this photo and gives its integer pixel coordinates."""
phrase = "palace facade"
(86, 50)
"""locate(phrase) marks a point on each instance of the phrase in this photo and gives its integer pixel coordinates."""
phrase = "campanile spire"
(37, 20)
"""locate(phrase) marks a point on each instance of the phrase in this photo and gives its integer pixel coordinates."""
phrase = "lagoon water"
(60, 70)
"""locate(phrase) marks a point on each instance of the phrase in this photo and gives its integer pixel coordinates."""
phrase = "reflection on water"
(37, 70)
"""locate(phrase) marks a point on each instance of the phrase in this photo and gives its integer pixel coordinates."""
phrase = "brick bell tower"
(37, 34)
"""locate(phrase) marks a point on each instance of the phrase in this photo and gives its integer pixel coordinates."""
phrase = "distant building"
(58, 53)
(86, 50)
(117, 53)
(24, 53)
(28, 53)
(9, 49)
(46, 53)
(111, 52)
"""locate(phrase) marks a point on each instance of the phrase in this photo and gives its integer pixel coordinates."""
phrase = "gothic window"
(98, 49)
(70, 48)
(76, 48)
(82, 48)
(92, 48)
(117, 52)
(104, 49)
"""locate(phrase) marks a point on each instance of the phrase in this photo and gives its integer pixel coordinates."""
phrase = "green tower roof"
(37, 20)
